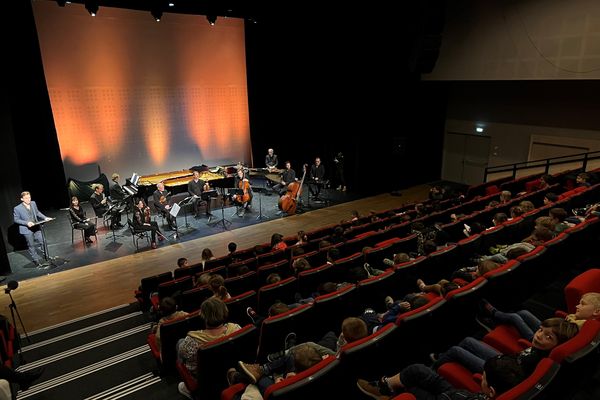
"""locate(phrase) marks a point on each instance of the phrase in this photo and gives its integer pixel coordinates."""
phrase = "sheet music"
(174, 210)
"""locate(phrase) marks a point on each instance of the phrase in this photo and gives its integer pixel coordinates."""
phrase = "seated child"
(499, 375)
(472, 353)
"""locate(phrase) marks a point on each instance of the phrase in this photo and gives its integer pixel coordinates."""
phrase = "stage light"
(92, 7)
(171, 4)
(157, 14)
(212, 19)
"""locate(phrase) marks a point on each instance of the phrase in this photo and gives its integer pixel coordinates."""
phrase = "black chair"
(75, 228)
(136, 235)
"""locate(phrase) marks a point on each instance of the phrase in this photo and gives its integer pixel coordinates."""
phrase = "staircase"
(100, 356)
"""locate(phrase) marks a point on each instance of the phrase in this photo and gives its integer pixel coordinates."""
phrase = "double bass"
(289, 201)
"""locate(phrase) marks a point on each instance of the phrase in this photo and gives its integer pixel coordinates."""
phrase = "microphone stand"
(222, 220)
(13, 310)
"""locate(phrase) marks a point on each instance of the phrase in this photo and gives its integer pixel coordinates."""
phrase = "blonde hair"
(593, 298)
(115, 177)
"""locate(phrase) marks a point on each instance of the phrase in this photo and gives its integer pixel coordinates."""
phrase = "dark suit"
(316, 172)
(287, 177)
(161, 208)
(196, 188)
(22, 215)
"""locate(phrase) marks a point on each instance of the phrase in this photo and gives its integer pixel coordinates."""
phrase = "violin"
(147, 215)
(289, 201)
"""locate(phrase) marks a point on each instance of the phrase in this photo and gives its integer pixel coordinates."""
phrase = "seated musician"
(116, 191)
(317, 175)
(80, 221)
(195, 188)
(142, 222)
(100, 204)
(245, 199)
(288, 176)
(271, 160)
(161, 202)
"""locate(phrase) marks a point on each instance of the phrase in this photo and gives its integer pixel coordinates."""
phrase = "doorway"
(465, 157)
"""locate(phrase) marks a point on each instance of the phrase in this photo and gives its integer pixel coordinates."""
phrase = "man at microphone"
(161, 202)
(26, 215)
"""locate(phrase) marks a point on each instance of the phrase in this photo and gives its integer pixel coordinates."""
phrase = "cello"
(289, 201)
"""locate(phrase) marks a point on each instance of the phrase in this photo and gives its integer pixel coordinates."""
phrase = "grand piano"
(176, 181)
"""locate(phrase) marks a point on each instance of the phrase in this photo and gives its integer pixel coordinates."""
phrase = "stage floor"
(72, 255)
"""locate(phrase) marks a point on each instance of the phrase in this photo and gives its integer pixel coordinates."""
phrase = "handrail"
(545, 162)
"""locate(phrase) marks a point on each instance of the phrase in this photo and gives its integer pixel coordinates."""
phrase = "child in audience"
(206, 255)
(168, 312)
(499, 375)
(182, 262)
(273, 278)
(216, 284)
(298, 358)
(277, 242)
(214, 313)
(472, 353)
(559, 215)
(526, 323)
(399, 258)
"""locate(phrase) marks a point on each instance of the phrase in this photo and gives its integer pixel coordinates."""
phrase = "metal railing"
(545, 163)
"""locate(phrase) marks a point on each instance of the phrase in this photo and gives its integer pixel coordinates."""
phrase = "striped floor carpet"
(101, 356)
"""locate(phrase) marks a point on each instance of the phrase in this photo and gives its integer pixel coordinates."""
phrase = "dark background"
(352, 84)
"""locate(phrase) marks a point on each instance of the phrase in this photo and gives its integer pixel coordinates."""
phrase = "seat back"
(171, 332)
(217, 356)
(280, 267)
(274, 329)
(332, 308)
(150, 285)
(237, 306)
(308, 281)
(175, 287)
(283, 290)
(372, 291)
(588, 281)
(190, 300)
(314, 381)
(241, 284)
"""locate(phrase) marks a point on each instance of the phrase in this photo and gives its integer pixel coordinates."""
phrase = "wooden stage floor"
(51, 299)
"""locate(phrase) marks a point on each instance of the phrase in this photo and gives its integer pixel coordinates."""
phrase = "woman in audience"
(214, 313)
(302, 238)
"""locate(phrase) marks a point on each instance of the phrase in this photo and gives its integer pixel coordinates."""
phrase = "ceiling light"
(212, 19)
(92, 7)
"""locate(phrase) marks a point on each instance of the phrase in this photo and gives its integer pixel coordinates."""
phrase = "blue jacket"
(22, 217)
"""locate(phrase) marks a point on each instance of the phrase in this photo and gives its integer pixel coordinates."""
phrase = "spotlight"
(92, 7)
(212, 19)
(171, 4)
(157, 14)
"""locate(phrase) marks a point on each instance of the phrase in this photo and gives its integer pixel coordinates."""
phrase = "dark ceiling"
(249, 9)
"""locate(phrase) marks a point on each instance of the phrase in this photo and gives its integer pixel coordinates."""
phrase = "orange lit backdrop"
(133, 95)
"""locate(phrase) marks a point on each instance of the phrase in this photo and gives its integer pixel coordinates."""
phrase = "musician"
(26, 215)
(100, 204)
(271, 160)
(142, 222)
(317, 173)
(243, 200)
(161, 203)
(116, 191)
(79, 220)
(288, 176)
(339, 171)
(195, 188)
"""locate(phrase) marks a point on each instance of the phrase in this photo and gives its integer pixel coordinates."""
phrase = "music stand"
(49, 261)
(206, 196)
(260, 191)
(224, 222)
(183, 204)
(111, 209)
